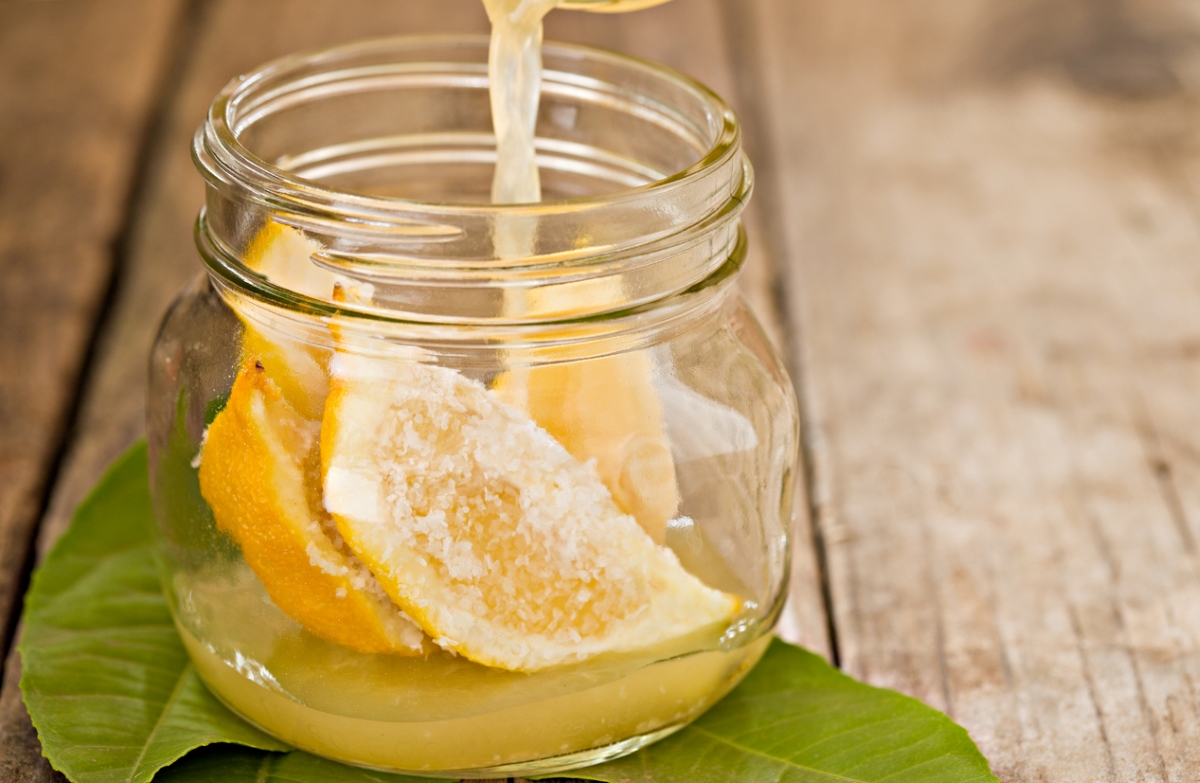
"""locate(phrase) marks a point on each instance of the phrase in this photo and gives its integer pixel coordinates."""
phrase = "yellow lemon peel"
(283, 255)
(260, 474)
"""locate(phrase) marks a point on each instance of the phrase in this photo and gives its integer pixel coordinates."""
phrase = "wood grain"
(691, 37)
(992, 239)
(233, 37)
(74, 104)
(77, 97)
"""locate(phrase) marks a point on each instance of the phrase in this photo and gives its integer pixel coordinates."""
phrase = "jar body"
(732, 426)
(477, 548)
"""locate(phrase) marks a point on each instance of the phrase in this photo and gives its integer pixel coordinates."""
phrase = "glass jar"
(462, 489)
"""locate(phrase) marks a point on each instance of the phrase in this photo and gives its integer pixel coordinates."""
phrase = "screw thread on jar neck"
(381, 153)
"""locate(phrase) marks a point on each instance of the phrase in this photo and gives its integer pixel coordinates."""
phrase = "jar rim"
(221, 156)
(678, 214)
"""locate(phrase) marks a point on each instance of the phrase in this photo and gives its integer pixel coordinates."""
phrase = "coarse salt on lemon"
(606, 410)
(500, 544)
(260, 474)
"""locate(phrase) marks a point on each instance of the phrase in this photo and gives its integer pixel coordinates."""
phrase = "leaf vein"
(769, 757)
(184, 676)
(264, 769)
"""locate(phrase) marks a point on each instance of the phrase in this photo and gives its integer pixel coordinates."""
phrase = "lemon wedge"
(284, 255)
(260, 469)
(502, 546)
(606, 410)
(260, 474)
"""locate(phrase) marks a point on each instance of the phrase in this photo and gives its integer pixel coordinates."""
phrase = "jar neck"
(371, 331)
(380, 153)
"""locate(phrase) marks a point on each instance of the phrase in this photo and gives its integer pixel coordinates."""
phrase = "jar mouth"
(364, 147)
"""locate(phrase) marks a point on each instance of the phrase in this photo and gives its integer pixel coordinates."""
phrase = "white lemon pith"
(500, 544)
(260, 473)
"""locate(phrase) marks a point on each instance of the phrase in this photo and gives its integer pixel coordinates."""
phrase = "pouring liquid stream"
(514, 77)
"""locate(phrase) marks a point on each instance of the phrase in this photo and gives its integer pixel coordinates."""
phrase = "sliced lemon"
(606, 410)
(260, 474)
(284, 256)
(480, 525)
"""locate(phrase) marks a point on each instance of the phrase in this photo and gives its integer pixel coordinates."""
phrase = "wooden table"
(977, 241)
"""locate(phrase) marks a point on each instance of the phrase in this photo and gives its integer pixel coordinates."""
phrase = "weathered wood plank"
(235, 37)
(689, 36)
(75, 98)
(992, 259)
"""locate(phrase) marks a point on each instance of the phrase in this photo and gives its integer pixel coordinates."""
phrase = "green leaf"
(797, 719)
(233, 764)
(106, 679)
(109, 687)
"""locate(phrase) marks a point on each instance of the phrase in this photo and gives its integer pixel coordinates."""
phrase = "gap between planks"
(80, 106)
(739, 22)
(992, 226)
(20, 752)
(178, 45)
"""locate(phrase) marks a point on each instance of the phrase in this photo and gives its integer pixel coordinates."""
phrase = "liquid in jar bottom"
(548, 734)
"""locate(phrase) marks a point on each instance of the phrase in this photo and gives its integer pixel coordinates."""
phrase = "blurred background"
(975, 241)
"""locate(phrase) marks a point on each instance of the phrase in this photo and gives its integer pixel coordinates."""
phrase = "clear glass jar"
(463, 489)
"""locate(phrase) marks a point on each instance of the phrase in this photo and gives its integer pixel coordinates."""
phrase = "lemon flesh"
(497, 542)
(260, 474)
(606, 410)
(284, 256)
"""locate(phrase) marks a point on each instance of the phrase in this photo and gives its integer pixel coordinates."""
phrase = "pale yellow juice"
(448, 716)
(442, 714)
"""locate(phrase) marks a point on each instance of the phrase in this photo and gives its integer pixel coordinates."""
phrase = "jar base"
(535, 739)
(550, 766)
